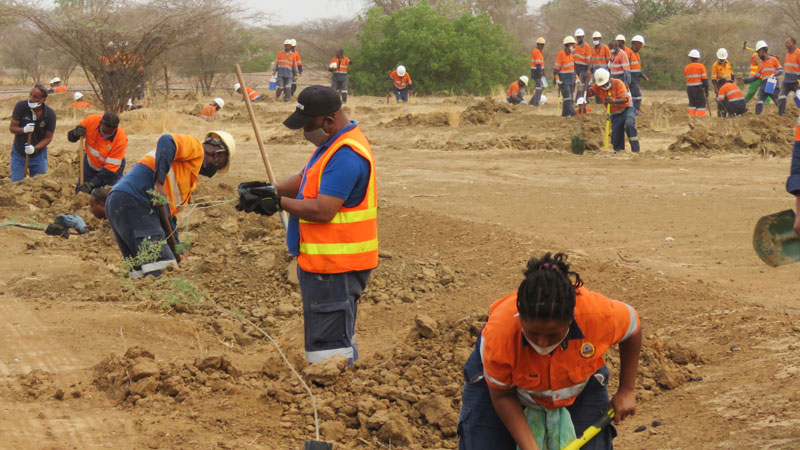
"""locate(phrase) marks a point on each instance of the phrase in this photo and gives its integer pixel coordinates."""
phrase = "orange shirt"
(60, 89)
(731, 92)
(182, 176)
(296, 61)
(601, 55)
(553, 380)
(102, 153)
(80, 104)
(400, 82)
(618, 89)
(629, 52)
(768, 68)
(722, 71)
(619, 63)
(537, 59)
(341, 64)
(513, 90)
(284, 59)
(251, 93)
(755, 61)
(582, 54)
(635, 61)
(792, 63)
(565, 63)
(208, 112)
(694, 74)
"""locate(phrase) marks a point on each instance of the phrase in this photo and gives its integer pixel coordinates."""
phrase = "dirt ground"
(469, 189)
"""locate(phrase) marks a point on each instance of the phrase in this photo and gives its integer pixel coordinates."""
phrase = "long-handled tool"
(163, 214)
(606, 136)
(560, 100)
(80, 159)
(264, 157)
(27, 157)
(774, 239)
(745, 47)
(591, 432)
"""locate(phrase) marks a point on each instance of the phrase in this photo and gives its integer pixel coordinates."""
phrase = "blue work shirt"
(142, 178)
(45, 122)
(345, 176)
(793, 182)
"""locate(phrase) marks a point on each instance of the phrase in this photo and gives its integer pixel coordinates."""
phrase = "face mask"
(596, 42)
(317, 137)
(208, 170)
(545, 350)
(606, 86)
(32, 105)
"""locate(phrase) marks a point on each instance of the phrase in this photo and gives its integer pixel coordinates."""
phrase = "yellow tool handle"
(608, 127)
(591, 432)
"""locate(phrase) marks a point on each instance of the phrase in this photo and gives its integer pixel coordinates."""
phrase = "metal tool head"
(577, 145)
(774, 239)
(318, 445)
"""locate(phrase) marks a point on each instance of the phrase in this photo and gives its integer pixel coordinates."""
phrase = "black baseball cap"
(110, 119)
(313, 102)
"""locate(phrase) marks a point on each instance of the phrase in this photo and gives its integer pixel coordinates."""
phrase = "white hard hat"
(130, 102)
(543, 100)
(236, 86)
(596, 35)
(77, 96)
(293, 42)
(695, 53)
(110, 43)
(620, 38)
(333, 65)
(638, 38)
(579, 32)
(230, 144)
(601, 76)
(570, 40)
(524, 80)
(287, 42)
(220, 102)
(401, 70)
(541, 41)
(722, 54)
(761, 44)
(55, 80)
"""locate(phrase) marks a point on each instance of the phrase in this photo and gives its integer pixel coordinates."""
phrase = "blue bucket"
(770, 86)
(273, 83)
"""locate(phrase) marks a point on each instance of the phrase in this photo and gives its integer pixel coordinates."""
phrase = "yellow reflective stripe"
(351, 216)
(371, 200)
(339, 249)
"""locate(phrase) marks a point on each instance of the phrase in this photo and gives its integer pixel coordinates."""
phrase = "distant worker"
(254, 96)
(338, 67)
(171, 170)
(696, 85)
(516, 91)
(79, 103)
(537, 71)
(285, 70)
(582, 55)
(791, 67)
(401, 83)
(619, 67)
(636, 72)
(601, 55)
(768, 72)
(730, 99)
(721, 70)
(105, 143)
(209, 111)
(621, 43)
(564, 74)
(57, 86)
(32, 124)
(755, 61)
(612, 91)
(297, 65)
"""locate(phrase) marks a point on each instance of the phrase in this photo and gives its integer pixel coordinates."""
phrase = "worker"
(338, 66)
(601, 55)
(537, 71)
(97, 202)
(79, 103)
(332, 227)
(254, 96)
(536, 378)
(619, 67)
(696, 84)
(209, 111)
(32, 124)
(297, 65)
(564, 74)
(134, 209)
(768, 71)
(721, 70)
(612, 91)
(57, 86)
(401, 84)
(636, 72)
(516, 91)
(791, 73)
(105, 143)
(285, 70)
(621, 44)
(582, 55)
(730, 99)
(793, 182)
(755, 61)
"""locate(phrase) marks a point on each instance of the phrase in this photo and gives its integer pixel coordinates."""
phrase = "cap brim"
(297, 121)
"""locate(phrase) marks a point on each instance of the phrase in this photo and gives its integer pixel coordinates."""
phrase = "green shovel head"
(774, 239)
(577, 145)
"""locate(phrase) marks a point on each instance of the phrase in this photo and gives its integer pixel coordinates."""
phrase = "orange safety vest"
(792, 62)
(284, 60)
(208, 112)
(554, 380)
(582, 54)
(618, 89)
(730, 91)
(102, 153)
(80, 104)
(565, 63)
(755, 61)
(349, 242)
(296, 61)
(635, 62)
(60, 89)
(400, 82)
(768, 68)
(722, 71)
(619, 64)
(695, 73)
(251, 93)
(537, 59)
(628, 51)
(601, 55)
(182, 175)
(513, 89)
(341, 64)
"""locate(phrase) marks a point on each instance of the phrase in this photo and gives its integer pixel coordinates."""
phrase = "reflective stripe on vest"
(636, 62)
(284, 60)
(173, 184)
(97, 155)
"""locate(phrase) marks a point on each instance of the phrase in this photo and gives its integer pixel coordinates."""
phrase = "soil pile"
(764, 135)
(434, 119)
(485, 112)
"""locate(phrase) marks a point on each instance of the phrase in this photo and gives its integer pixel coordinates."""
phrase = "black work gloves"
(259, 197)
(79, 131)
(85, 187)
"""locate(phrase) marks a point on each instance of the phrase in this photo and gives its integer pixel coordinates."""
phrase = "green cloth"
(753, 90)
(551, 426)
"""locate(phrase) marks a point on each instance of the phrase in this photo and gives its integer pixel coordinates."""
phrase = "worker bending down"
(516, 91)
(613, 92)
(210, 111)
(730, 99)
(105, 144)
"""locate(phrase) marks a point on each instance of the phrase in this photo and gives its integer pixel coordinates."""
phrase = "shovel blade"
(774, 239)
(317, 445)
(577, 145)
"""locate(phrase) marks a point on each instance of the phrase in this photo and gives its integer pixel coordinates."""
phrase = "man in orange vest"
(338, 66)
(564, 74)
(755, 61)
(537, 70)
(333, 227)
(401, 84)
(613, 92)
(285, 71)
(155, 190)
(105, 143)
(582, 56)
(791, 67)
(209, 112)
(730, 99)
(721, 71)
(57, 86)
(297, 65)
(619, 66)
(696, 85)
(601, 55)
(79, 104)
(768, 72)
(252, 93)
(636, 72)
(516, 91)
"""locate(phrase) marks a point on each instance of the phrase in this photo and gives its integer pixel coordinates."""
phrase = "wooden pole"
(264, 157)
(27, 157)
(80, 159)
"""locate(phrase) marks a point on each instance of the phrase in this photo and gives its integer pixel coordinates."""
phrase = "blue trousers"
(330, 307)
(622, 124)
(636, 91)
(479, 426)
(37, 164)
(401, 94)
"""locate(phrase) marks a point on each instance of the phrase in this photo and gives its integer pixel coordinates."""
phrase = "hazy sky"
(297, 11)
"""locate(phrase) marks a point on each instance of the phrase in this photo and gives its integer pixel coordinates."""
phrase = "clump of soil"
(768, 136)
(485, 112)
(434, 119)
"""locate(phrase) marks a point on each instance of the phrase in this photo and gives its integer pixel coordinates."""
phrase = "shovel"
(591, 432)
(774, 239)
(608, 128)
(560, 100)
(577, 140)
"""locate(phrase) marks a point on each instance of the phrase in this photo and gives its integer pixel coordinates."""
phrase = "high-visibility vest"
(252, 93)
(792, 62)
(513, 89)
(284, 60)
(60, 89)
(400, 82)
(618, 89)
(537, 59)
(695, 73)
(100, 152)
(731, 92)
(181, 179)
(629, 52)
(296, 61)
(349, 242)
(80, 104)
(601, 55)
(635, 62)
(619, 64)
(722, 71)
(768, 68)
(208, 112)
(755, 61)
(582, 54)
(565, 63)
(341, 64)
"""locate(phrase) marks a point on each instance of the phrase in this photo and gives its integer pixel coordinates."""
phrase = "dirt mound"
(398, 280)
(485, 112)
(764, 135)
(434, 119)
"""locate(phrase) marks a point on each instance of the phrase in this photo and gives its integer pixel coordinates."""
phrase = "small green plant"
(158, 197)
(180, 292)
(148, 251)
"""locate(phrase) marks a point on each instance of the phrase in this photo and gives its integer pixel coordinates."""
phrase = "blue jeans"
(479, 426)
(330, 306)
(37, 165)
(401, 94)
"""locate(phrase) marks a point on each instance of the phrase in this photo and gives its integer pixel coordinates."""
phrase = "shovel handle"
(163, 213)
(591, 432)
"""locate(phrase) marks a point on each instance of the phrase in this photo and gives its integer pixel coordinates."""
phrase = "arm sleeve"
(626, 77)
(749, 80)
(793, 182)
(345, 176)
(102, 178)
(165, 154)
(19, 113)
(705, 84)
(625, 319)
(496, 367)
(50, 126)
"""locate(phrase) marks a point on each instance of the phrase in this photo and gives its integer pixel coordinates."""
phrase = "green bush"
(462, 55)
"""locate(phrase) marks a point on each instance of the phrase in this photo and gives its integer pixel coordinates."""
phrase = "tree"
(222, 46)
